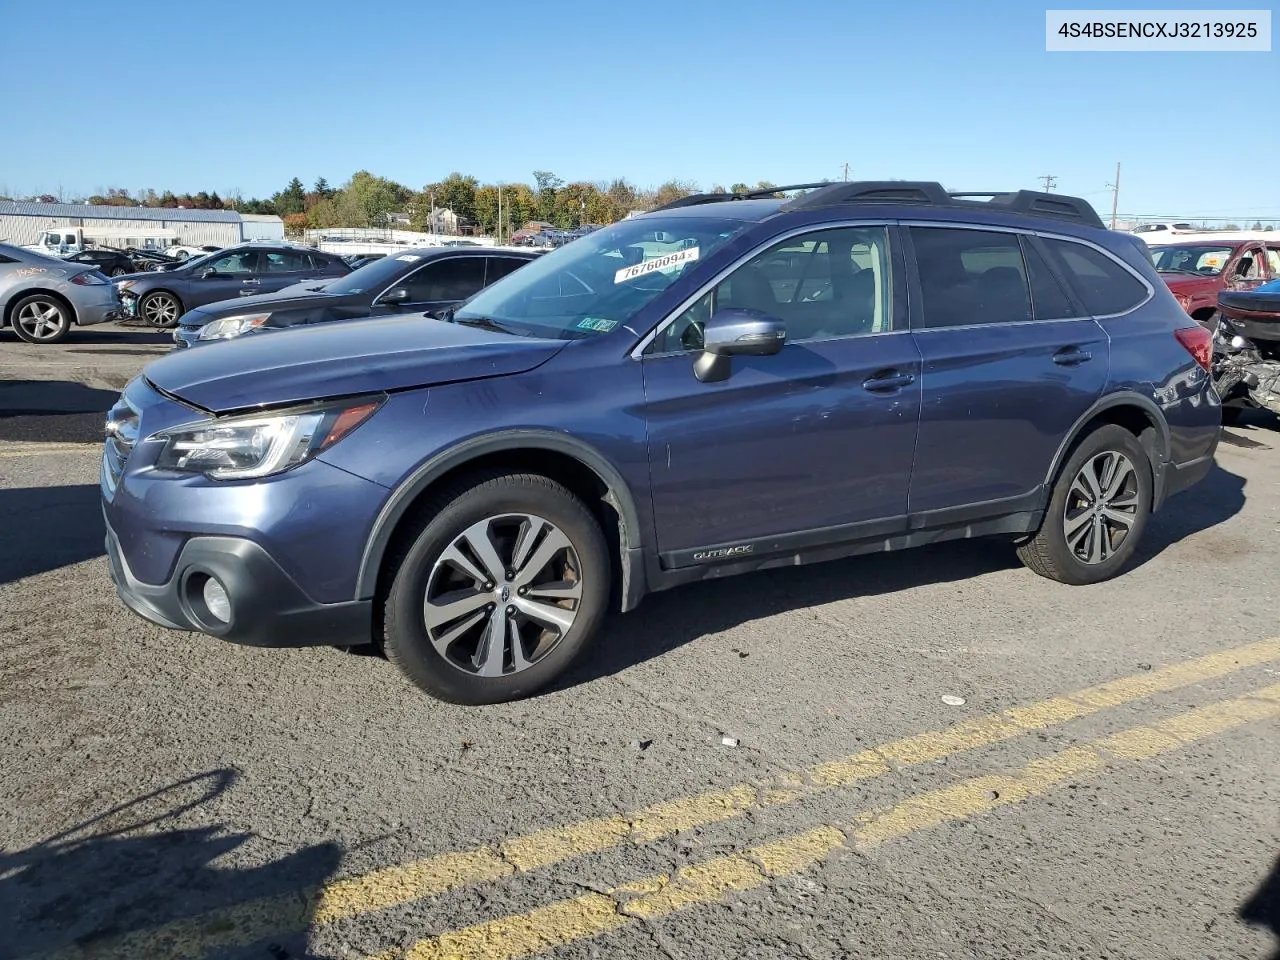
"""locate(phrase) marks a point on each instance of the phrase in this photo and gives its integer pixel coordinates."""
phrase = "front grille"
(122, 434)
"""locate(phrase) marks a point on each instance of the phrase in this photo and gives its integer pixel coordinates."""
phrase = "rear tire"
(1097, 512)
(501, 590)
(40, 319)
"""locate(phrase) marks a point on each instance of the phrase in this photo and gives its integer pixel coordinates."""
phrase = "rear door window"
(286, 261)
(499, 267)
(1103, 285)
(970, 277)
(1048, 300)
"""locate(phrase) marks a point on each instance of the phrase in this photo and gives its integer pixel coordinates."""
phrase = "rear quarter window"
(1102, 284)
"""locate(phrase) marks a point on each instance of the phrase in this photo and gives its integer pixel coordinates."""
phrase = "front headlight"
(241, 448)
(229, 327)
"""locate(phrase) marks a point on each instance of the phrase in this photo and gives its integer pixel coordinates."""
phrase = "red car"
(1197, 269)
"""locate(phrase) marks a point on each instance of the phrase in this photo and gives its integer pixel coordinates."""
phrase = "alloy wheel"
(1102, 507)
(502, 595)
(41, 320)
(160, 309)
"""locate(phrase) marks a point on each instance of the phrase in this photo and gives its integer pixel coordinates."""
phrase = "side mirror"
(208, 272)
(737, 333)
(398, 295)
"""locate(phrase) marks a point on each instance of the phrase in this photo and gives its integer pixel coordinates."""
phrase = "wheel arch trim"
(19, 295)
(1122, 398)
(619, 495)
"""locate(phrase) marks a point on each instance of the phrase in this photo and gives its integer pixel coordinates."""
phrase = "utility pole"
(499, 226)
(846, 172)
(1049, 181)
(1115, 195)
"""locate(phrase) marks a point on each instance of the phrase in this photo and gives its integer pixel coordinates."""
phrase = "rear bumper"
(87, 316)
(1180, 476)
(267, 608)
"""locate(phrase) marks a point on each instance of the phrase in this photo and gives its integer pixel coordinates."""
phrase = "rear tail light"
(1198, 342)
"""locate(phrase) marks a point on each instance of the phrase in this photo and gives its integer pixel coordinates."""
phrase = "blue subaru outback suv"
(728, 383)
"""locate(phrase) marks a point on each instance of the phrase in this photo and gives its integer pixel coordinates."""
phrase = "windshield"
(376, 275)
(600, 282)
(1202, 260)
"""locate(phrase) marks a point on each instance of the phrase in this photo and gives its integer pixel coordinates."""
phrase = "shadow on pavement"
(132, 868)
(1263, 908)
(103, 335)
(1214, 500)
(53, 411)
(671, 619)
(59, 526)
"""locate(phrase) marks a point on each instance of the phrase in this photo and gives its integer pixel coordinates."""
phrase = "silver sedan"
(42, 297)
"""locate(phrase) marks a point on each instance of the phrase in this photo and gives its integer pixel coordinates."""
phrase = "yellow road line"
(39, 449)
(387, 887)
(567, 921)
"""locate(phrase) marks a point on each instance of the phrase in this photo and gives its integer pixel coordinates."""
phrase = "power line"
(1049, 181)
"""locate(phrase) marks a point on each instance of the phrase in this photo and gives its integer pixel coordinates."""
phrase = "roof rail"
(1037, 204)
(694, 199)
(872, 191)
(929, 193)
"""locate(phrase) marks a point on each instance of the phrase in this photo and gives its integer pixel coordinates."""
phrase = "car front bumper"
(267, 608)
(184, 337)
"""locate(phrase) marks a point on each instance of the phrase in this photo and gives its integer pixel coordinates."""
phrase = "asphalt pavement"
(932, 754)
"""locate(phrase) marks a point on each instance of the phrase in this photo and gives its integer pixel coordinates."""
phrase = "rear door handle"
(1071, 357)
(887, 381)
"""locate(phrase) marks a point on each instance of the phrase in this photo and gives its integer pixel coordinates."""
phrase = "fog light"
(216, 600)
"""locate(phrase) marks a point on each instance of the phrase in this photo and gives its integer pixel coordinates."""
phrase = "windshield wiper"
(1190, 273)
(483, 323)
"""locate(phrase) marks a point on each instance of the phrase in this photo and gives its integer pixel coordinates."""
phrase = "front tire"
(503, 588)
(1097, 511)
(40, 318)
(118, 271)
(160, 309)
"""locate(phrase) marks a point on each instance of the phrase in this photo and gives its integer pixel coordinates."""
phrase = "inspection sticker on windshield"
(409, 258)
(599, 324)
(657, 263)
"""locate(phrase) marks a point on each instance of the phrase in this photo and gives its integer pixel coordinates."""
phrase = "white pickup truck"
(65, 241)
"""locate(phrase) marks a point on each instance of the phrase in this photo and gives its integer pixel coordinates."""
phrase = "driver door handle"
(1071, 357)
(251, 281)
(887, 381)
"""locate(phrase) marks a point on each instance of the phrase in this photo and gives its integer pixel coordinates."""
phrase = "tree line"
(367, 200)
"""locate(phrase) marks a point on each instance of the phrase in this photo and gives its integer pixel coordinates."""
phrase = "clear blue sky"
(712, 92)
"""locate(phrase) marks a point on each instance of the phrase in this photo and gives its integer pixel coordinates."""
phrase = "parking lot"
(927, 754)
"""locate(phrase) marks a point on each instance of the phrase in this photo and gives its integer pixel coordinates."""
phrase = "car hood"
(333, 360)
(260, 302)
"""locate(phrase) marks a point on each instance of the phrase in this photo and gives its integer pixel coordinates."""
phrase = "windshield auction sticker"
(656, 264)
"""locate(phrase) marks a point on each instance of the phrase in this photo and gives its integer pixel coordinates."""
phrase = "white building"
(23, 223)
